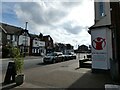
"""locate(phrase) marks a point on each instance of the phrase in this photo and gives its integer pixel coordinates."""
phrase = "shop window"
(38, 51)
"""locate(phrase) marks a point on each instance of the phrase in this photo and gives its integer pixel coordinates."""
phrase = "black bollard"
(10, 74)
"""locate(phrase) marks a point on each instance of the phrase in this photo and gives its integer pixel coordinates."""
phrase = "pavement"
(64, 77)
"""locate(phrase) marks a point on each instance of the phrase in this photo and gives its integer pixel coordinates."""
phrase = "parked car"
(89, 56)
(66, 57)
(73, 55)
(69, 56)
(53, 57)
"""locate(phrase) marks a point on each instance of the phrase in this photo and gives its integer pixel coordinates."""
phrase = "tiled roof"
(11, 29)
(33, 35)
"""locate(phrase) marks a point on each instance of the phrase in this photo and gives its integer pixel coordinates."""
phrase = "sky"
(66, 21)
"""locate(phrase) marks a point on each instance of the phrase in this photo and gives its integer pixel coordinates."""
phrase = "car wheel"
(53, 61)
(45, 62)
(63, 59)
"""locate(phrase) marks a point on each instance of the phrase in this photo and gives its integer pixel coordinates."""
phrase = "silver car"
(53, 57)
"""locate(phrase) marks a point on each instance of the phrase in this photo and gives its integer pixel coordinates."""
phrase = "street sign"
(11, 72)
(99, 43)
(101, 48)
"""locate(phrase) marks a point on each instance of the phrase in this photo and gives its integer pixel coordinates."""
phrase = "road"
(63, 75)
(55, 75)
(28, 63)
(60, 75)
(32, 63)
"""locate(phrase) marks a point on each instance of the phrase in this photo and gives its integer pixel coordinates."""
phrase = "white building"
(101, 37)
(105, 38)
(24, 42)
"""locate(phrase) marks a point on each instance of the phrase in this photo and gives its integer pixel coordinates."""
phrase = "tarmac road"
(60, 75)
(29, 62)
(64, 75)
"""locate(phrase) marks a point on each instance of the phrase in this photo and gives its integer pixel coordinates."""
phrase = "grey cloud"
(72, 29)
(55, 15)
(71, 4)
(34, 10)
(40, 15)
(47, 14)
(86, 28)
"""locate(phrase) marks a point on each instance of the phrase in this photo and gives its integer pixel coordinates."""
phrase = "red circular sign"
(98, 43)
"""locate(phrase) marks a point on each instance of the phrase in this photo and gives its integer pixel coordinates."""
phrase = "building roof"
(94, 27)
(33, 35)
(9, 29)
(46, 37)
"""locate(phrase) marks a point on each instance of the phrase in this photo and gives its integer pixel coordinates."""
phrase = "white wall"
(101, 57)
(106, 19)
(42, 43)
(38, 43)
(25, 40)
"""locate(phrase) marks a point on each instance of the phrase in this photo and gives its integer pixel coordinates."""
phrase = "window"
(101, 8)
(38, 51)
(35, 42)
(26, 50)
(48, 38)
(35, 51)
(0, 36)
(8, 37)
(13, 37)
(32, 50)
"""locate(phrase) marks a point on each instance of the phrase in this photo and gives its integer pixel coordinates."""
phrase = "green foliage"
(18, 59)
(6, 51)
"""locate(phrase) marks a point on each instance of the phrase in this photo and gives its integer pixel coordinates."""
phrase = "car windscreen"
(52, 54)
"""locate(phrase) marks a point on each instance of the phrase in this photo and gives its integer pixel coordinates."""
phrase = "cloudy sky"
(66, 21)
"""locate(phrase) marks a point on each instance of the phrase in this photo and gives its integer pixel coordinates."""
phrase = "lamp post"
(25, 39)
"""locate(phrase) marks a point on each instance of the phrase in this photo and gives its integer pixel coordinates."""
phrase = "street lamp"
(25, 39)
